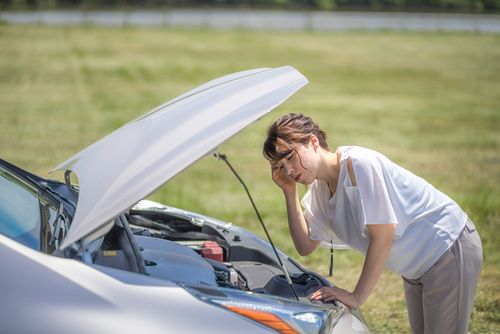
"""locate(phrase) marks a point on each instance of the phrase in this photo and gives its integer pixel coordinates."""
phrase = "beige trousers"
(441, 300)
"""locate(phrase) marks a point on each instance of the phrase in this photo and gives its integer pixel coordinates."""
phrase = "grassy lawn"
(430, 101)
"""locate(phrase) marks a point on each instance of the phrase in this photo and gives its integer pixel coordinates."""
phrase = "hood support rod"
(285, 271)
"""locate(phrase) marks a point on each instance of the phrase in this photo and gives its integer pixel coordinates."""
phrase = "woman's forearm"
(375, 260)
(297, 224)
(381, 237)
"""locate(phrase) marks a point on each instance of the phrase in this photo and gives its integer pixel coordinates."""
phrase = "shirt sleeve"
(314, 221)
(370, 181)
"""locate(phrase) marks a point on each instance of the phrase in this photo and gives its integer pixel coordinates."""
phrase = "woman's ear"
(314, 142)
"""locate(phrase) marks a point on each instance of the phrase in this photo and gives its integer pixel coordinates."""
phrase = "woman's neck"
(329, 167)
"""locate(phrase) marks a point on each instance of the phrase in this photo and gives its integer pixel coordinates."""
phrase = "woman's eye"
(290, 156)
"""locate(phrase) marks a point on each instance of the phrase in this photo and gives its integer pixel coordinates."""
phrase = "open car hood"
(133, 161)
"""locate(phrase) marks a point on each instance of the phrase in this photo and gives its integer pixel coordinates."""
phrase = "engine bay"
(187, 249)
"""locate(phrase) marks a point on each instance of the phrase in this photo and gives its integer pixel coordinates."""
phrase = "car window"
(19, 211)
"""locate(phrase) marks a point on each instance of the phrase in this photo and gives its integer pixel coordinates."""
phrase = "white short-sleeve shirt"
(427, 221)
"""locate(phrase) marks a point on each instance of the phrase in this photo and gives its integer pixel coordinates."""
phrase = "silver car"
(97, 258)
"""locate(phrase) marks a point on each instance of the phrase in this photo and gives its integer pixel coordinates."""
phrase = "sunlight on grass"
(430, 101)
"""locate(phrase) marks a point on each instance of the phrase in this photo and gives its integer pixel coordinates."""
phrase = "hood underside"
(133, 161)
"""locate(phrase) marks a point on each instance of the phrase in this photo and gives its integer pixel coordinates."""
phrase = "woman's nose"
(288, 170)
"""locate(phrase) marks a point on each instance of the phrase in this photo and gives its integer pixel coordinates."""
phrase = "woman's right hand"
(285, 183)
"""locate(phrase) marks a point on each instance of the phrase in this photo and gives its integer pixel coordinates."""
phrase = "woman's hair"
(288, 129)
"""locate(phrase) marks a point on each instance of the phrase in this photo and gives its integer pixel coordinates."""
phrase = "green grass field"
(429, 101)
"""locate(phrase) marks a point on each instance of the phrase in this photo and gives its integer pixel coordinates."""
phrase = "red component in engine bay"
(212, 250)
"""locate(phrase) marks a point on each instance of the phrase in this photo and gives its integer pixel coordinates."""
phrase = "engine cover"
(168, 260)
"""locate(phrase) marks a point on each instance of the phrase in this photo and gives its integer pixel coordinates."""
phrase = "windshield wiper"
(46, 186)
(61, 226)
(285, 271)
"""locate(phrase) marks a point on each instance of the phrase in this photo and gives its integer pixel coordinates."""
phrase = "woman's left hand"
(328, 294)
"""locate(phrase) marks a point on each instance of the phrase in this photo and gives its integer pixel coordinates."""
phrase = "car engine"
(189, 248)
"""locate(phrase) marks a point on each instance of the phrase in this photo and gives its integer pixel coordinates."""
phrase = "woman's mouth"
(297, 178)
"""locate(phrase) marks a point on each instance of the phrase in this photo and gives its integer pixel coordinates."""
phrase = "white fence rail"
(263, 20)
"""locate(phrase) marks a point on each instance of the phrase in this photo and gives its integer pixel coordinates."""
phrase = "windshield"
(19, 211)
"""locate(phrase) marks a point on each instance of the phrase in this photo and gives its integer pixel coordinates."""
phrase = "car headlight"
(257, 313)
(283, 315)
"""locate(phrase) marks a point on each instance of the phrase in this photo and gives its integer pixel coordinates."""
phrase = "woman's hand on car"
(327, 294)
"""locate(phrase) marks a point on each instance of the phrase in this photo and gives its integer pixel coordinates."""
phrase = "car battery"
(211, 250)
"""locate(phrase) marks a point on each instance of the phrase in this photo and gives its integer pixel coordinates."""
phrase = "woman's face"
(300, 165)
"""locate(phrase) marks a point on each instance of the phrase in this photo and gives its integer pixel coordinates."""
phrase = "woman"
(359, 198)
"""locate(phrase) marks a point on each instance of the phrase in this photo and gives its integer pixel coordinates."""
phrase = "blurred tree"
(428, 5)
(324, 4)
